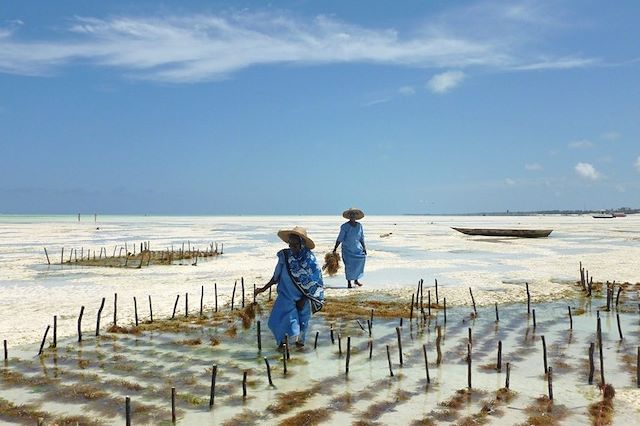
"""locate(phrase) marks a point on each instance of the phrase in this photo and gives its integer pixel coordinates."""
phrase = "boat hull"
(494, 232)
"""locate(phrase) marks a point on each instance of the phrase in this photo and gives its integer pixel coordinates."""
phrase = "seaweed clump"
(601, 412)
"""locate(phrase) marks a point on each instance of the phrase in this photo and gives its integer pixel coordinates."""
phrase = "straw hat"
(359, 213)
(300, 232)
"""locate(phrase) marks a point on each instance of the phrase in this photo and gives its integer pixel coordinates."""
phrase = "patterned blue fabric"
(307, 276)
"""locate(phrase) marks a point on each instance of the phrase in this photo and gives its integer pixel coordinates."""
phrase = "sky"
(310, 107)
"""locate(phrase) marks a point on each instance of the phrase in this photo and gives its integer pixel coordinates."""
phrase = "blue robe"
(352, 239)
(285, 317)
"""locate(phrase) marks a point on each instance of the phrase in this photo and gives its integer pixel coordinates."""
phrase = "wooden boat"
(497, 232)
(603, 216)
(619, 214)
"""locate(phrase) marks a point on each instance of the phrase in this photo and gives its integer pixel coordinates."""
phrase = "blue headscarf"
(306, 275)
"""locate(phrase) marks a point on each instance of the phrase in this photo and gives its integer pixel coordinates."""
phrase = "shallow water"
(316, 379)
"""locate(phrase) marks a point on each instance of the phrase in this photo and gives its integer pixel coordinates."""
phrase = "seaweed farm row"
(368, 359)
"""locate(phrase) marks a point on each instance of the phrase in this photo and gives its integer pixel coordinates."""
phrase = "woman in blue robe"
(354, 251)
(300, 287)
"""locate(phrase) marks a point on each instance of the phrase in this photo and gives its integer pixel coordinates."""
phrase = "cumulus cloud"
(587, 171)
(533, 167)
(580, 144)
(191, 48)
(637, 163)
(442, 83)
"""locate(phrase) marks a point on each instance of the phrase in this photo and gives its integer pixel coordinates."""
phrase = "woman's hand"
(261, 289)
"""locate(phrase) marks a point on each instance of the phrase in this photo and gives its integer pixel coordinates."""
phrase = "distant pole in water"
(315, 343)
(570, 319)
(173, 405)
(544, 354)
(259, 336)
(438, 340)
(233, 294)
(389, 359)
(201, 300)
(331, 333)
(534, 319)
(470, 341)
(591, 366)
(618, 296)
(499, 364)
(47, 254)
(214, 372)
(339, 344)
(506, 383)
(475, 311)
(399, 345)
(135, 309)
(429, 301)
(186, 305)
(150, 309)
(469, 365)
(6, 352)
(528, 299)
(215, 294)
(284, 359)
(242, 285)
(266, 361)
(80, 324)
(550, 382)
(445, 310)
(115, 309)
(55, 331)
(127, 410)
(619, 326)
(426, 362)
(244, 384)
(411, 310)
(175, 305)
(437, 299)
(95, 217)
(348, 354)
(62, 256)
(98, 318)
(497, 316)
(78, 217)
(599, 332)
(44, 339)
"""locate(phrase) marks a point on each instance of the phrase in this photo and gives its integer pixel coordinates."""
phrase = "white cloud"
(587, 171)
(533, 167)
(442, 83)
(407, 90)
(510, 182)
(611, 136)
(580, 144)
(637, 164)
(192, 48)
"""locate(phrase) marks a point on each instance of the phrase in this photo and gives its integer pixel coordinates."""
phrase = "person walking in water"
(354, 251)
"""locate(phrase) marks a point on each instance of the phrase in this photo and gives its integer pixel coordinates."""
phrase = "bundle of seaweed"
(331, 263)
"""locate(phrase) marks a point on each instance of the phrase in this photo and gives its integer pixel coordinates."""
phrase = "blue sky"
(301, 107)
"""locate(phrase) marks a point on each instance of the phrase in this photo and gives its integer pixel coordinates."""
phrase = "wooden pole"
(44, 338)
(389, 359)
(619, 326)
(333, 342)
(259, 336)
(369, 327)
(618, 296)
(426, 362)
(550, 382)
(637, 363)
(528, 298)
(399, 344)
(286, 346)
(98, 319)
(475, 312)
(244, 384)
(150, 309)
(173, 405)
(284, 359)
(570, 318)
(266, 361)
(127, 410)
(55, 331)
(242, 285)
(602, 382)
(47, 254)
(445, 310)
(469, 365)
(186, 305)
(269, 294)
(534, 319)
(497, 316)
(470, 341)
(62, 256)
(506, 383)
(370, 348)
(215, 291)
(591, 365)
(411, 310)
(544, 354)
(175, 306)
(135, 309)
(6, 352)
(80, 324)
(429, 301)
(212, 396)
(233, 295)
(499, 364)
(437, 299)
(348, 354)
(315, 343)
(115, 308)
(201, 300)
(339, 344)
(438, 340)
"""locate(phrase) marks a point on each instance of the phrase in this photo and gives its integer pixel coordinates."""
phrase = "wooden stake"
(80, 324)
(315, 343)
(98, 318)
(570, 318)
(6, 352)
(173, 405)
(215, 291)
(242, 285)
(286, 346)
(127, 410)
(469, 365)
(175, 306)
(266, 361)
(426, 362)
(506, 383)
(499, 364)
(411, 311)
(150, 309)
(186, 305)
(201, 300)
(135, 309)
(233, 295)
(437, 300)
(44, 338)
(47, 254)
(348, 354)
(475, 312)
(619, 326)
(269, 294)
(339, 344)
(534, 319)
(389, 359)
(550, 382)
(115, 309)
(429, 301)
(212, 396)
(637, 364)
(544, 354)
(399, 345)
(244, 384)
(591, 365)
(602, 382)
(284, 359)
(62, 256)
(528, 298)
(370, 348)
(333, 342)
(369, 327)
(445, 310)
(259, 335)
(618, 296)
(438, 340)
(55, 331)
(470, 340)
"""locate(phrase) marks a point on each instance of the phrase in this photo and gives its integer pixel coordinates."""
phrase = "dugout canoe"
(499, 232)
